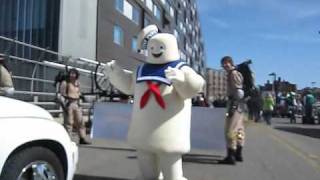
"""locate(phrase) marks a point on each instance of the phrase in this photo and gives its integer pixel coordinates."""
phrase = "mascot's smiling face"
(162, 48)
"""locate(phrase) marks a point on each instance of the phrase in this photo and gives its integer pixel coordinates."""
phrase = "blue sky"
(280, 36)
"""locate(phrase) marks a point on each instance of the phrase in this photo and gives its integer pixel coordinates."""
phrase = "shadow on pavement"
(107, 148)
(86, 177)
(202, 159)
(315, 133)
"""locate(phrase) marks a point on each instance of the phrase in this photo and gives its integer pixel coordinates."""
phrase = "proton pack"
(248, 79)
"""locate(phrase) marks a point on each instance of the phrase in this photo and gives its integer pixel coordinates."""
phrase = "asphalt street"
(281, 152)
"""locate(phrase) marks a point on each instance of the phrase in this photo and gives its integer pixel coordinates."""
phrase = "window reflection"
(31, 21)
(34, 22)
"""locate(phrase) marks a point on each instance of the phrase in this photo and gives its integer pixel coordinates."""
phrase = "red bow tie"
(152, 88)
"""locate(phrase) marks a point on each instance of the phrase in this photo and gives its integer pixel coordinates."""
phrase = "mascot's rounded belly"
(157, 129)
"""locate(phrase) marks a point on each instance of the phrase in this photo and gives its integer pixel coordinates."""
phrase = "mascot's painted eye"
(152, 48)
(161, 47)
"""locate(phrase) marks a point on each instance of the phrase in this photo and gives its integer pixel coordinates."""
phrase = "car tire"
(39, 160)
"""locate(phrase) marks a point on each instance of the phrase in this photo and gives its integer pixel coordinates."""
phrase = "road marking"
(310, 158)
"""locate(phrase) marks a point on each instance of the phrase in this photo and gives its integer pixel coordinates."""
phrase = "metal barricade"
(34, 77)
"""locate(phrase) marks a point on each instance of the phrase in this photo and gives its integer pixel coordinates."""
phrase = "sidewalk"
(269, 154)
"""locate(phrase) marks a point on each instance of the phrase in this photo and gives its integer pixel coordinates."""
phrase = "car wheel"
(34, 163)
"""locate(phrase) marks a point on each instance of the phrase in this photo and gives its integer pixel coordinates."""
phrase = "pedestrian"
(308, 102)
(299, 106)
(268, 105)
(6, 84)
(292, 106)
(70, 90)
(254, 105)
(234, 127)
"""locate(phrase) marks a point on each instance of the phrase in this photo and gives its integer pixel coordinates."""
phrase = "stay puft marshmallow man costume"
(161, 118)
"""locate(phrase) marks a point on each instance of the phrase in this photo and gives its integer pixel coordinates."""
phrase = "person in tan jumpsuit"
(70, 90)
(234, 127)
(6, 84)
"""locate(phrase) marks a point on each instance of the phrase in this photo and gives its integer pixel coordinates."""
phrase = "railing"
(37, 87)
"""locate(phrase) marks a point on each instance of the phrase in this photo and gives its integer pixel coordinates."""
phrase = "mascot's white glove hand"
(174, 75)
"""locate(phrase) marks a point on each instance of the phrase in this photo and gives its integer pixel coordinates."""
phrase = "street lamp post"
(274, 81)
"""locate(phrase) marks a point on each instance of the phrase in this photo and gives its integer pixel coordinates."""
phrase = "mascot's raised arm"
(161, 117)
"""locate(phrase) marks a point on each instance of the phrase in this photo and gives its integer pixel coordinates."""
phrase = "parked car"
(33, 146)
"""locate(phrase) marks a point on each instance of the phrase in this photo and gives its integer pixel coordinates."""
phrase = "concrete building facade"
(95, 29)
(216, 84)
(119, 22)
(107, 29)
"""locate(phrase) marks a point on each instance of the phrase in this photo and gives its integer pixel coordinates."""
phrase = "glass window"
(127, 11)
(146, 21)
(184, 3)
(34, 22)
(119, 5)
(171, 12)
(134, 42)
(176, 34)
(149, 4)
(167, 6)
(157, 12)
(118, 35)
(176, 17)
(136, 15)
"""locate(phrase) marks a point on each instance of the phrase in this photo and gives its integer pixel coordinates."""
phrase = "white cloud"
(298, 38)
(219, 23)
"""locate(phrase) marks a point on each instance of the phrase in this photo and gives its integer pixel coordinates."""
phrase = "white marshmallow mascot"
(161, 118)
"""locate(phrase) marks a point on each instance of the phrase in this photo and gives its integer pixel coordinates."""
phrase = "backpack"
(248, 79)
(61, 76)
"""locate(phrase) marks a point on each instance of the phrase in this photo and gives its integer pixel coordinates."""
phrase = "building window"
(176, 17)
(149, 4)
(33, 22)
(167, 6)
(171, 12)
(176, 34)
(118, 35)
(157, 12)
(136, 15)
(128, 10)
(134, 42)
(146, 21)
(119, 5)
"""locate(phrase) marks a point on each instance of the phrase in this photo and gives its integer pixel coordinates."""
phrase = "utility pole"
(274, 81)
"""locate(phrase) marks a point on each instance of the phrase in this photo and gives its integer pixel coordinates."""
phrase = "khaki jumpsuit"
(71, 91)
(234, 127)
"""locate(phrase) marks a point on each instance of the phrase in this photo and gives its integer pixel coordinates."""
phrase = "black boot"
(84, 141)
(238, 154)
(230, 159)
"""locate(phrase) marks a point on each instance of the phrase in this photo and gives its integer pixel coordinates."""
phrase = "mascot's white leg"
(171, 166)
(148, 165)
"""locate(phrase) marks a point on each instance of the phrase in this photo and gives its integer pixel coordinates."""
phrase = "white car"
(32, 145)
